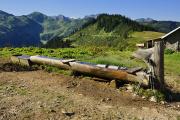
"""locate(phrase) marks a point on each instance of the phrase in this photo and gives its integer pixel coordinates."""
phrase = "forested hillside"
(107, 30)
(161, 26)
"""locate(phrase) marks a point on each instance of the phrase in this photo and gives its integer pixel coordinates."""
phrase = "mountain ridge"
(45, 28)
(161, 26)
(36, 27)
(145, 20)
(14, 27)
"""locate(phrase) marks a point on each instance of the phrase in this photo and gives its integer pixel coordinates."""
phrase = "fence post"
(159, 65)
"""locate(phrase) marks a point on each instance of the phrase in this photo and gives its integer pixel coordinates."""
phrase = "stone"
(108, 99)
(143, 97)
(67, 113)
(129, 88)
(113, 84)
(168, 105)
(52, 110)
(162, 102)
(134, 95)
(153, 99)
(103, 100)
(145, 108)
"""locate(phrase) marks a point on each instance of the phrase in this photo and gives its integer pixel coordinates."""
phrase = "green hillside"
(107, 31)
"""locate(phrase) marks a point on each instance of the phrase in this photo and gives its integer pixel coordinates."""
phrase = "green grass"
(118, 58)
(97, 55)
(94, 55)
(172, 63)
(147, 35)
(60, 53)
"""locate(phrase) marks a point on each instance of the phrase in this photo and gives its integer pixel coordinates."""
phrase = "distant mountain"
(106, 30)
(92, 16)
(18, 31)
(161, 26)
(4, 14)
(145, 20)
(61, 17)
(38, 17)
(56, 26)
(30, 30)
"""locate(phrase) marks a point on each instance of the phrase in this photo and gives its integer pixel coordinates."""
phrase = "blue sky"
(157, 9)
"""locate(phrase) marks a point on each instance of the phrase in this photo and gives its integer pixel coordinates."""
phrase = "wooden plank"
(142, 45)
(113, 67)
(101, 65)
(100, 79)
(134, 70)
(67, 61)
(49, 61)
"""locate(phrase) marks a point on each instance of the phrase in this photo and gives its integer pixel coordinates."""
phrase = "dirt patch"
(9, 67)
(42, 95)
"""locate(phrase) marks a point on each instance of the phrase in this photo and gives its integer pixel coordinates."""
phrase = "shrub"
(168, 51)
(149, 93)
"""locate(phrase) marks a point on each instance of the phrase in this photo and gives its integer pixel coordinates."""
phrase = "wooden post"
(159, 65)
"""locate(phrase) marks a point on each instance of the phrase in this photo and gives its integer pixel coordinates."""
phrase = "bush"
(147, 93)
(168, 51)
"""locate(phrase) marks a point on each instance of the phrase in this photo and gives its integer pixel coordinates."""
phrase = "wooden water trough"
(108, 72)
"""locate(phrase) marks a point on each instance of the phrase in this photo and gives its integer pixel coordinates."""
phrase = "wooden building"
(150, 43)
(171, 40)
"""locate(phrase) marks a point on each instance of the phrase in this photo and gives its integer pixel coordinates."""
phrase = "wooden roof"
(170, 33)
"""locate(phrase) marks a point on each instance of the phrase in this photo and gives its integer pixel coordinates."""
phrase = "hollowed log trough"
(97, 70)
